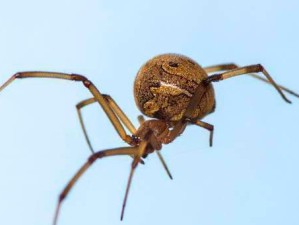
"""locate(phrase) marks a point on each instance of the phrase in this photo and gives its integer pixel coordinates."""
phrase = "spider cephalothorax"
(172, 88)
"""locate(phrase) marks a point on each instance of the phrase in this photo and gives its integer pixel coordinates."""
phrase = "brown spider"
(171, 88)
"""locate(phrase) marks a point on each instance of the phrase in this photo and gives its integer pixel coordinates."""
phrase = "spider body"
(172, 88)
(165, 84)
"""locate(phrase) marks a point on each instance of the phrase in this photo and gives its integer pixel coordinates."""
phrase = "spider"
(173, 89)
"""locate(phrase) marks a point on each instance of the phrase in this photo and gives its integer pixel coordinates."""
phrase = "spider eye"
(173, 64)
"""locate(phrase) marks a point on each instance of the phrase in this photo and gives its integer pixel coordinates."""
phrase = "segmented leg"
(164, 164)
(138, 155)
(121, 115)
(220, 67)
(207, 126)
(114, 107)
(141, 120)
(89, 85)
(247, 70)
(202, 87)
(78, 107)
(231, 66)
(133, 167)
(90, 161)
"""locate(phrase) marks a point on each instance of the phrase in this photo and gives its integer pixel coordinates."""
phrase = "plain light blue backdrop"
(250, 176)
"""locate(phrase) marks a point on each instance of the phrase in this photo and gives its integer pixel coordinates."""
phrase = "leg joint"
(135, 163)
(87, 83)
(61, 197)
(132, 140)
(256, 68)
(107, 97)
(92, 158)
(79, 105)
(78, 77)
(260, 67)
(17, 75)
(96, 156)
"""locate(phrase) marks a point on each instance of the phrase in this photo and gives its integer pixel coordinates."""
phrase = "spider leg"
(231, 66)
(78, 107)
(246, 70)
(207, 126)
(133, 167)
(164, 164)
(114, 107)
(119, 113)
(88, 84)
(202, 87)
(160, 156)
(220, 67)
(90, 161)
(136, 160)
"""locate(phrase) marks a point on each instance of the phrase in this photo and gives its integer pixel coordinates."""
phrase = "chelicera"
(173, 89)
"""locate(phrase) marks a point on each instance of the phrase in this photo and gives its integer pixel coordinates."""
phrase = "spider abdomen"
(165, 84)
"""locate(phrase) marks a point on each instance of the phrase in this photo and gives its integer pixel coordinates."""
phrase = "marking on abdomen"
(177, 89)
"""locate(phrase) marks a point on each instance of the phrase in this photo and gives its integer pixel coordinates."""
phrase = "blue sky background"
(250, 176)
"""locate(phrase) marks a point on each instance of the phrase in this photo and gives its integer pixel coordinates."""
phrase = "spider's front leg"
(98, 97)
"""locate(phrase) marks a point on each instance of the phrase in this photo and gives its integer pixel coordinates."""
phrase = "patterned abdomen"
(165, 84)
